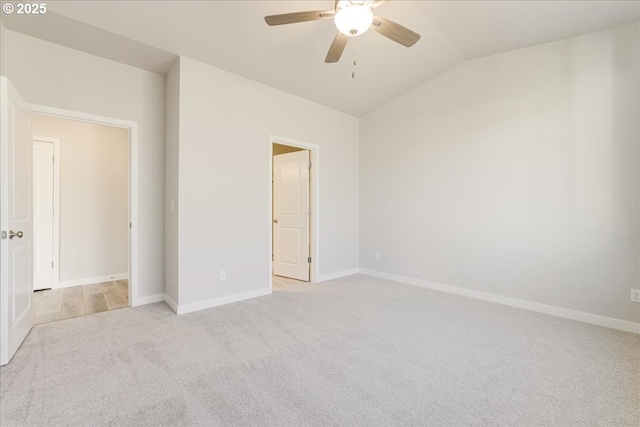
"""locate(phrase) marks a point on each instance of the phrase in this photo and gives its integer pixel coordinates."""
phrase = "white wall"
(2, 49)
(94, 197)
(56, 76)
(171, 182)
(225, 123)
(515, 174)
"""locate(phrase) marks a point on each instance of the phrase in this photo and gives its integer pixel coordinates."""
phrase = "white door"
(42, 214)
(16, 278)
(291, 215)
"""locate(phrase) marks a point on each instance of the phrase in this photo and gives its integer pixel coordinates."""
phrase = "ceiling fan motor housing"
(353, 19)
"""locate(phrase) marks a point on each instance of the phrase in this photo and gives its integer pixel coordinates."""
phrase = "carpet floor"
(353, 351)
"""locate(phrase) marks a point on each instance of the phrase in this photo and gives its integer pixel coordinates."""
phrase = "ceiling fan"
(352, 19)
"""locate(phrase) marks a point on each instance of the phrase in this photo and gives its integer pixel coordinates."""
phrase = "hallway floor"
(76, 301)
(280, 282)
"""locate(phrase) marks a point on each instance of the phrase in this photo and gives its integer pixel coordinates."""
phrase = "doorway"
(81, 217)
(293, 211)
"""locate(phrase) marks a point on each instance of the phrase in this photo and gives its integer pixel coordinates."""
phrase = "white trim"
(338, 275)
(151, 299)
(92, 280)
(171, 303)
(56, 206)
(133, 215)
(566, 313)
(314, 176)
(4, 221)
(215, 302)
(133, 180)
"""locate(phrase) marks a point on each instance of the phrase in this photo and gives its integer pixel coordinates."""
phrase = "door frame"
(132, 127)
(56, 205)
(314, 199)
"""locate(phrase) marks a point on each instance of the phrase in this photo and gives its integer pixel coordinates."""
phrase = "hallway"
(76, 301)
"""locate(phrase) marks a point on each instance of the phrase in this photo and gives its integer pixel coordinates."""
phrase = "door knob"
(12, 234)
(275, 221)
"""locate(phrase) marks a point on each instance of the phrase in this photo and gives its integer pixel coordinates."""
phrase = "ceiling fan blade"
(337, 47)
(395, 32)
(292, 18)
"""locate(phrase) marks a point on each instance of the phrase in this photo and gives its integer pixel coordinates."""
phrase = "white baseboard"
(148, 300)
(91, 280)
(215, 302)
(580, 316)
(171, 303)
(337, 275)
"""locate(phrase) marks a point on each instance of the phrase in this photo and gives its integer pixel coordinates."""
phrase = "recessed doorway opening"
(293, 212)
(81, 212)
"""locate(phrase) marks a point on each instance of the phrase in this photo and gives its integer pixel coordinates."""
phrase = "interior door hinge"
(51, 264)
(309, 164)
(309, 260)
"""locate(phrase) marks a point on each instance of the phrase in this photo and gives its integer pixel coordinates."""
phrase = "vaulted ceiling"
(233, 36)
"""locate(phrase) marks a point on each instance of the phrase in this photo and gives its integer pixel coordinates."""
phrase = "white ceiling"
(232, 35)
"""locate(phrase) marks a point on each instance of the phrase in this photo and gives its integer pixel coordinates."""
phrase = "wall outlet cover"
(635, 295)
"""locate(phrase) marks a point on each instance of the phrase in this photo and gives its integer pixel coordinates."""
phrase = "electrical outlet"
(377, 256)
(223, 276)
(635, 295)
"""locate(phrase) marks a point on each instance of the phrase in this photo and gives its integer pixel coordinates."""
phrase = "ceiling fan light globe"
(353, 20)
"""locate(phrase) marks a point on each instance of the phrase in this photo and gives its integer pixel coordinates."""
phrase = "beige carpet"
(354, 351)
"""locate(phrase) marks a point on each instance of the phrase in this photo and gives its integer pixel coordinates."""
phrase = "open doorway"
(294, 212)
(81, 211)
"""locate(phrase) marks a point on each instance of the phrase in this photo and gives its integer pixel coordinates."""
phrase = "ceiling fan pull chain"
(353, 73)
